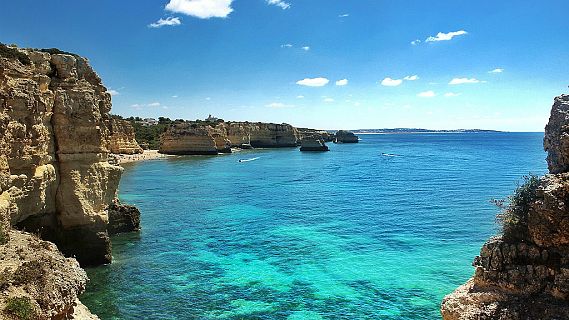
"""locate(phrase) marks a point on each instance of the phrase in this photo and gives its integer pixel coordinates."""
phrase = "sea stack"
(524, 272)
(313, 144)
(343, 136)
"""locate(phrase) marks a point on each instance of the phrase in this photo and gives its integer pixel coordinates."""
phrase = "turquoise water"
(347, 234)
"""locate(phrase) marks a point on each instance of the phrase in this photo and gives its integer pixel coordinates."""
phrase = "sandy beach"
(146, 155)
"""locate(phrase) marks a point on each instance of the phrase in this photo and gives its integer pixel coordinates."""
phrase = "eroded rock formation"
(35, 277)
(123, 140)
(343, 136)
(313, 144)
(207, 138)
(525, 275)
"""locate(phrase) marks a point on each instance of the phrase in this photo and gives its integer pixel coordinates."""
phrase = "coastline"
(146, 155)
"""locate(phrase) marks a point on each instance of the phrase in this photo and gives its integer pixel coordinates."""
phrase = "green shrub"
(56, 51)
(13, 53)
(21, 307)
(513, 216)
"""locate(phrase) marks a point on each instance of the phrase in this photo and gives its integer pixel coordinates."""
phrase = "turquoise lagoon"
(347, 234)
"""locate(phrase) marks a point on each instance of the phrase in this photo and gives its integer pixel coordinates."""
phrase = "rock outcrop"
(123, 140)
(313, 144)
(123, 218)
(272, 135)
(321, 134)
(188, 139)
(36, 280)
(343, 136)
(524, 273)
(208, 138)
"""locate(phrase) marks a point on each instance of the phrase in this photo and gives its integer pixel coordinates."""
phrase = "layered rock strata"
(205, 139)
(188, 139)
(123, 140)
(343, 136)
(525, 275)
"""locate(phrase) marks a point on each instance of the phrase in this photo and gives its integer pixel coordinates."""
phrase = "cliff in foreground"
(55, 180)
(524, 273)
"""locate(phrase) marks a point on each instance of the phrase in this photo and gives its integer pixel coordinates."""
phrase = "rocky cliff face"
(271, 135)
(36, 280)
(524, 273)
(187, 139)
(199, 138)
(343, 136)
(122, 140)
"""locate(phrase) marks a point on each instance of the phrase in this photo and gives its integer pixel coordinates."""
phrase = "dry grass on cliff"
(513, 216)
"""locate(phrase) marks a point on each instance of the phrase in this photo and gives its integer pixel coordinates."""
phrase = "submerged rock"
(526, 275)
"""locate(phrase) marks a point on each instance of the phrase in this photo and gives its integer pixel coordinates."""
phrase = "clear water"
(347, 234)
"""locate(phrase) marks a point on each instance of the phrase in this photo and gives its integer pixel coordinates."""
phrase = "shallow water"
(346, 234)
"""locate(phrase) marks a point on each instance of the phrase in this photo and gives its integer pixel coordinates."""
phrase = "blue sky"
(320, 63)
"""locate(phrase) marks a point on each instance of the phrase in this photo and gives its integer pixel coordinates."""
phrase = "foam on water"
(347, 234)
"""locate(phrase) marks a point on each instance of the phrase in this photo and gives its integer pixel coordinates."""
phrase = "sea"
(381, 229)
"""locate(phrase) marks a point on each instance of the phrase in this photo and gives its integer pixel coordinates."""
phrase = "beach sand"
(146, 155)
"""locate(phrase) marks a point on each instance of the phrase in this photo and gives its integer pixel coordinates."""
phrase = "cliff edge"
(524, 272)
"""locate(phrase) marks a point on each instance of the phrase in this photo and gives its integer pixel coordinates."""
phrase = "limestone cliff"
(122, 140)
(37, 282)
(272, 135)
(524, 273)
(187, 139)
(209, 138)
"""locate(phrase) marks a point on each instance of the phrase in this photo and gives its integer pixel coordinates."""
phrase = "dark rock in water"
(123, 218)
(313, 144)
(343, 136)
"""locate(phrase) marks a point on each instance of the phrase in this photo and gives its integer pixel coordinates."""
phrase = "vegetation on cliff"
(13, 53)
(513, 216)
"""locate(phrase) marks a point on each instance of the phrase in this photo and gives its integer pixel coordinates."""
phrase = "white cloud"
(170, 21)
(463, 80)
(446, 36)
(287, 45)
(113, 92)
(415, 42)
(306, 48)
(313, 82)
(497, 70)
(342, 82)
(203, 9)
(278, 105)
(300, 97)
(451, 94)
(411, 78)
(174, 96)
(328, 100)
(388, 82)
(427, 94)
(154, 104)
(208, 98)
(344, 15)
(279, 3)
